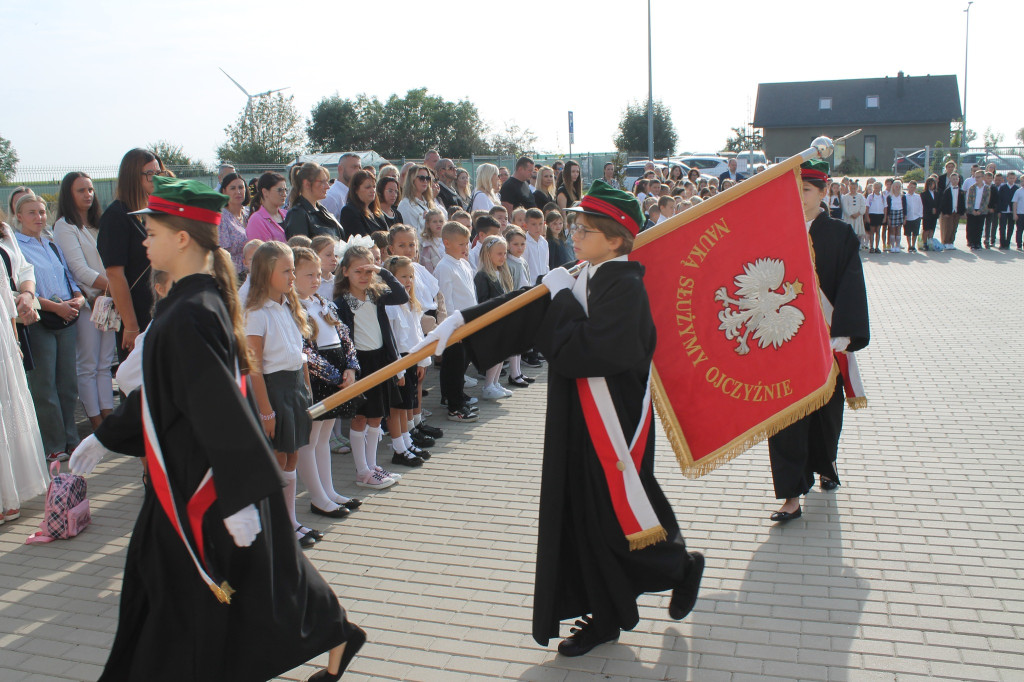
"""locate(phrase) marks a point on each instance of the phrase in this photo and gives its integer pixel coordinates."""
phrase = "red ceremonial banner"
(743, 345)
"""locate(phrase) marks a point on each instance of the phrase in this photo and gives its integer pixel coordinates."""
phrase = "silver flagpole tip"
(823, 146)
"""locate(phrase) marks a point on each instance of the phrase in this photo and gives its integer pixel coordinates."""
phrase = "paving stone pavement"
(910, 571)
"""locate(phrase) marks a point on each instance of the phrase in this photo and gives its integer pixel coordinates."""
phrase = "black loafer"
(828, 484)
(585, 637)
(685, 596)
(781, 516)
(339, 513)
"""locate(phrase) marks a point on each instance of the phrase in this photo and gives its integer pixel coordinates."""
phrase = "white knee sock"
(398, 444)
(309, 474)
(373, 434)
(289, 495)
(514, 367)
(357, 440)
(418, 418)
(407, 439)
(323, 463)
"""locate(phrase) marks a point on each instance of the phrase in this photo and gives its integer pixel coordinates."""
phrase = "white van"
(750, 160)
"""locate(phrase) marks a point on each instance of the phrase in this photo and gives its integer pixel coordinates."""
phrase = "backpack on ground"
(67, 508)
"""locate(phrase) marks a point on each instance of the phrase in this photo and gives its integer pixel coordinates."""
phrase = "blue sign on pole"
(571, 133)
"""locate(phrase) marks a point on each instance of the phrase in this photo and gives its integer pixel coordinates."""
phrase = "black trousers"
(1006, 230)
(807, 447)
(1020, 231)
(453, 373)
(991, 228)
(975, 226)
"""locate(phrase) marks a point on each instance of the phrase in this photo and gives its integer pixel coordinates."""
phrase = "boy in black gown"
(598, 548)
(810, 445)
(213, 527)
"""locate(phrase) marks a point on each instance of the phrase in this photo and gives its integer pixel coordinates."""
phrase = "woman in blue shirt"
(53, 382)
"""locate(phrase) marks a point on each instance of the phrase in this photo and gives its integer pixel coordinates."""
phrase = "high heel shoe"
(352, 647)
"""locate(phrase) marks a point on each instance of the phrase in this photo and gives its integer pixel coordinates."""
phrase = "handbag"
(104, 314)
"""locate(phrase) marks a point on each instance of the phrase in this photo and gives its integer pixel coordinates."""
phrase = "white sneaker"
(388, 474)
(375, 480)
(470, 381)
(493, 393)
(948, 247)
(508, 393)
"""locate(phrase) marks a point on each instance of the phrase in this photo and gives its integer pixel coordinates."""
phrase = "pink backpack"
(67, 509)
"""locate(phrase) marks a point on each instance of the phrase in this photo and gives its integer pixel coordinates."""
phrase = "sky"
(97, 78)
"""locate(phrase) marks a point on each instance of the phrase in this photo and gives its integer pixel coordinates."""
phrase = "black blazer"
(946, 203)
(486, 287)
(397, 295)
(355, 221)
(725, 176)
(1006, 192)
(309, 221)
(929, 203)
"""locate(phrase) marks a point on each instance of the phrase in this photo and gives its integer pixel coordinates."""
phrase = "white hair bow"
(360, 240)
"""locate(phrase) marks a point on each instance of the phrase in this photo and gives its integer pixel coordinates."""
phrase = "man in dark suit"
(944, 179)
(732, 173)
(445, 171)
(952, 205)
(1006, 191)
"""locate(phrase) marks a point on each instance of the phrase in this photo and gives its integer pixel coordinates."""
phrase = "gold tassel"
(223, 592)
(857, 402)
(706, 465)
(646, 538)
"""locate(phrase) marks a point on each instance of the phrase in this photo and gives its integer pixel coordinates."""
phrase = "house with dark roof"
(893, 113)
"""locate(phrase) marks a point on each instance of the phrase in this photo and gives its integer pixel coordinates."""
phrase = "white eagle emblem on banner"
(760, 307)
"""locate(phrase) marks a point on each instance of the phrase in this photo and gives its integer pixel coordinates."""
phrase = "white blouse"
(23, 270)
(282, 341)
(326, 334)
(367, 334)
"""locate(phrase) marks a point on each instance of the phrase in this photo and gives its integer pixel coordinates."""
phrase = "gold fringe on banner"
(646, 538)
(691, 469)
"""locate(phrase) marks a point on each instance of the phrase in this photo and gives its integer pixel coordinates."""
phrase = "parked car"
(1003, 162)
(908, 162)
(707, 165)
(968, 159)
(748, 161)
(635, 170)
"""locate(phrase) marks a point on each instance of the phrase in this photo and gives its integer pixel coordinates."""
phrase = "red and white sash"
(853, 387)
(621, 462)
(198, 504)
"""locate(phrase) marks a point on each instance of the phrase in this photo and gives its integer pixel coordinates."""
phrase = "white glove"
(840, 343)
(441, 333)
(87, 455)
(244, 525)
(558, 279)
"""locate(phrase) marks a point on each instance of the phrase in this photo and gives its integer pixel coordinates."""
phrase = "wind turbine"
(250, 98)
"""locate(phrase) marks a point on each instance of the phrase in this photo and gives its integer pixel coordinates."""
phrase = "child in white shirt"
(455, 278)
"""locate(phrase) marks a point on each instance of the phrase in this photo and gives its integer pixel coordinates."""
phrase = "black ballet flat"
(311, 533)
(781, 516)
(827, 484)
(339, 513)
(352, 504)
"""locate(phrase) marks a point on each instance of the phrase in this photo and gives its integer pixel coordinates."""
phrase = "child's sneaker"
(493, 393)
(463, 415)
(470, 381)
(469, 400)
(407, 459)
(426, 414)
(340, 445)
(375, 480)
(389, 474)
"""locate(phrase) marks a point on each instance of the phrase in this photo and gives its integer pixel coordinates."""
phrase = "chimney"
(899, 84)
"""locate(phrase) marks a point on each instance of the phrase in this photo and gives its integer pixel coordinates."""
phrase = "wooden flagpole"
(820, 148)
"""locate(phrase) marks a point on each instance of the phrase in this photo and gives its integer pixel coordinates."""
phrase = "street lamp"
(967, 37)
(650, 90)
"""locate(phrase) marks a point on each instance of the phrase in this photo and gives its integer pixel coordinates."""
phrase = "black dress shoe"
(420, 452)
(353, 644)
(422, 440)
(518, 382)
(312, 532)
(339, 513)
(685, 596)
(306, 540)
(585, 636)
(782, 516)
(352, 504)
(828, 484)
(429, 430)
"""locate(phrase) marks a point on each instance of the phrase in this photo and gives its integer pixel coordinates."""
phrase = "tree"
(992, 138)
(632, 137)
(741, 141)
(8, 161)
(174, 155)
(513, 141)
(406, 126)
(268, 132)
(1020, 135)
